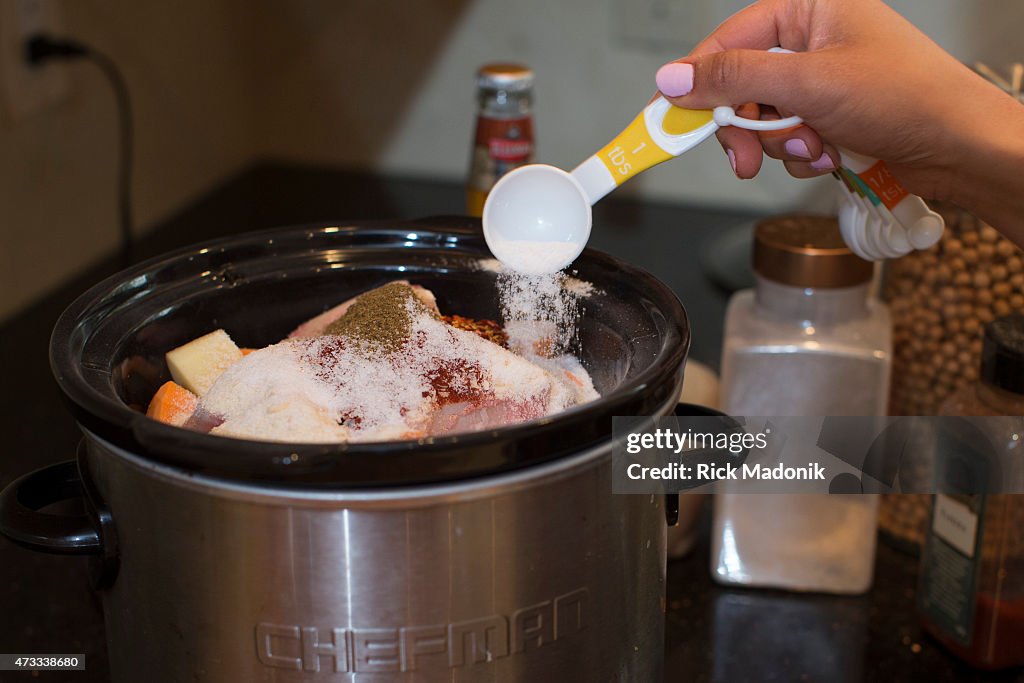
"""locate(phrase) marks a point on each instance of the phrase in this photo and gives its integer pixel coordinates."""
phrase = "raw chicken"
(385, 366)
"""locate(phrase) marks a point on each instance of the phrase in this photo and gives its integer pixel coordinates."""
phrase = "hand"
(865, 79)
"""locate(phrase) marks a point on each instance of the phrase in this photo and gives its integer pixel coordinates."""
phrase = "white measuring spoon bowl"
(872, 238)
(847, 220)
(537, 219)
(864, 232)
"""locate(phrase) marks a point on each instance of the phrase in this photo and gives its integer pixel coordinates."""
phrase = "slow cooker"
(490, 556)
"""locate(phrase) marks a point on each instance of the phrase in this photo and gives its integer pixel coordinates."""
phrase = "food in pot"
(384, 365)
(488, 329)
(317, 326)
(172, 404)
(198, 364)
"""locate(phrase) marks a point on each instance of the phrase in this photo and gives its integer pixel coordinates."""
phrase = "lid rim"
(509, 76)
(806, 250)
(1002, 353)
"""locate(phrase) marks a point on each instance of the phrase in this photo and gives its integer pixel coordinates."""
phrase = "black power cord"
(42, 48)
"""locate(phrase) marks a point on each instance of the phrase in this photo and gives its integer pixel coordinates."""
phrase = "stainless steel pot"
(497, 556)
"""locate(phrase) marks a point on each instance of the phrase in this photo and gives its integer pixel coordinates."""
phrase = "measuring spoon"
(537, 217)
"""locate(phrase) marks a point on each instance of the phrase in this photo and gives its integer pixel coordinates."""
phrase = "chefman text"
(713, 472)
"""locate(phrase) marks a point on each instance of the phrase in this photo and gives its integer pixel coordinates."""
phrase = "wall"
(384, 84)
(188, 72)
(593, 75)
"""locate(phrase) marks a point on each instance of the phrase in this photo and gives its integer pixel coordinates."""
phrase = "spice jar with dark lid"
(971, 592)
(809, 339)
(999, 389)
(941, 299)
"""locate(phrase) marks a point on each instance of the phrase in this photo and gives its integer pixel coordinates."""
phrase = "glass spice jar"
(504, 129)
(971, 593)
(940, 300)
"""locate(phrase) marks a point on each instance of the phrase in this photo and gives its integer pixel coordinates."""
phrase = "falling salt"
(581, 288)
(540, 314)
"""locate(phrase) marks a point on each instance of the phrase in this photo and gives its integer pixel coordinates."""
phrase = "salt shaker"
(808, 340)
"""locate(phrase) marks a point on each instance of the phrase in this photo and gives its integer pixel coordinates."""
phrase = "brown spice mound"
(381, 317)
(488, 329)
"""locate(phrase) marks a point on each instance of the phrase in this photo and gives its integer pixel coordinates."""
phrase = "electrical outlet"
(26, 89)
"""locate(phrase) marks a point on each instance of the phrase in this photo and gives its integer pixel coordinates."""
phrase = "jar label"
(500, 145)
(949, 568)
(955, 523)
(505, 149)
(884, 184)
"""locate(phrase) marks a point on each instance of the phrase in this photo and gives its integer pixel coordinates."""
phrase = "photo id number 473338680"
(37, 662)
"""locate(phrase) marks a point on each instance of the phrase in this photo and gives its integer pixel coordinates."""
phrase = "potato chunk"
(197, 364)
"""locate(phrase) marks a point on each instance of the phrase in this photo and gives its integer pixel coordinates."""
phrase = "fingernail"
(732, 159)
(798, 148)
(823, 163)
(675, 79)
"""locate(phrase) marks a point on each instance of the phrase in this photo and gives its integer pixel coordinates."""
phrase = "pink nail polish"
(797, 148)
(674, 79)
(823, 163)
(732, 159)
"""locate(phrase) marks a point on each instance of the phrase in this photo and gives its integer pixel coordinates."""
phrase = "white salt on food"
(339, 388)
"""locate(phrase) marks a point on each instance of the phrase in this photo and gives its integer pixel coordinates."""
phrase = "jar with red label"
(504, 129)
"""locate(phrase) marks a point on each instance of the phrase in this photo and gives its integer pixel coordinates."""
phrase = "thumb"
(732, 77)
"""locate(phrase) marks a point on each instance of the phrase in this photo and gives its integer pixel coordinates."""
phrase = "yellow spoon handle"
(657, 134)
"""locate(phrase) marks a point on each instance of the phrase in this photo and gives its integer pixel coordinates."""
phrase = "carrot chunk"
(173, 404)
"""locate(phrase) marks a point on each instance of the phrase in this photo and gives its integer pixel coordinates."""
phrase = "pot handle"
(694, 410)
(21, 521)
(687, 410)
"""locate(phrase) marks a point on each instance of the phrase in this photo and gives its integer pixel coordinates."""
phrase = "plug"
(26, 89)
(40, 48)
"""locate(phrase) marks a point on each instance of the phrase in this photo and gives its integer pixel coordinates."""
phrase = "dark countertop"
(713, 633)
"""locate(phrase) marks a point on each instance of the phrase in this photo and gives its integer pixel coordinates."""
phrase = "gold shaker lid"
(807, 251)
